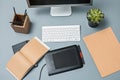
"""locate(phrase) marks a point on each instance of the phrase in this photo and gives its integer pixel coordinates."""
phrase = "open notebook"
(26, 58)
(105, 50)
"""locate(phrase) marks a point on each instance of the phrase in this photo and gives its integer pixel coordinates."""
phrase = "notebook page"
(34, 50)
(105, 51)
(18, 66)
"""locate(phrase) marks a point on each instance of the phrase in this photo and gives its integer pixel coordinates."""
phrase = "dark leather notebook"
(64, 59)
(18, 46)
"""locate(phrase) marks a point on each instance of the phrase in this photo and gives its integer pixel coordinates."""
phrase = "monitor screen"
(56, 2)
(58, 7)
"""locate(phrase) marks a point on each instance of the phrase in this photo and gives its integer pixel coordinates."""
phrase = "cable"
(41, 71)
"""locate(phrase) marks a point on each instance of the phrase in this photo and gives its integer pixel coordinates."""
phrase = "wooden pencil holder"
(21, 23)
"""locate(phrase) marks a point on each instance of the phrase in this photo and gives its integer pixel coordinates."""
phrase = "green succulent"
(95, 15)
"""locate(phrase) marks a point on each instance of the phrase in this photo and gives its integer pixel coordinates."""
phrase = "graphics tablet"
(64, 59)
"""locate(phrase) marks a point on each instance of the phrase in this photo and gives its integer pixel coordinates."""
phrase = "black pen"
(17, 23)
(14, 10)
(25, 13)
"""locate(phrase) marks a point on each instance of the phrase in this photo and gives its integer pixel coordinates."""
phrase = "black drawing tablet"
(64, 59)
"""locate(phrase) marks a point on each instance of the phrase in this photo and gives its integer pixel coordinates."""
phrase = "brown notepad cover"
(105, 51)
(26, 58)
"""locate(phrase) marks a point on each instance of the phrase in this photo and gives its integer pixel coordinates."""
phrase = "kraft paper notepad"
(26, 58)
(105, 51)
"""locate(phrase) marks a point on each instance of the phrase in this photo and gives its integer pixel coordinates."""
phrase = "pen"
(14, 10)
(17, 23)
(25, 13)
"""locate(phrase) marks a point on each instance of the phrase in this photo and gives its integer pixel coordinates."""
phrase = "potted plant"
(94, 16)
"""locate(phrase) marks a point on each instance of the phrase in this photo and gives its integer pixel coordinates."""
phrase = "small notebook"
(18, 46)
(23, 60)
(105, 51)
(64, 59)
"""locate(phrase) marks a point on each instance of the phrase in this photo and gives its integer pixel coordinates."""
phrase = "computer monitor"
(58, 7)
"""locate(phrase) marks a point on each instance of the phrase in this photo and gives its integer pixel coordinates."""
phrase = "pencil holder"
(21, 23)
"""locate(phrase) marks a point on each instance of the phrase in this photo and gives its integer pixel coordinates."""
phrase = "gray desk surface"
(40, 17)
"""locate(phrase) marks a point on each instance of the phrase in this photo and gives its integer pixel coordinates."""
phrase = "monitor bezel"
(59, 5)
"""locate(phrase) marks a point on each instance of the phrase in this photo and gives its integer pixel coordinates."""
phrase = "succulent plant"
(95, 15)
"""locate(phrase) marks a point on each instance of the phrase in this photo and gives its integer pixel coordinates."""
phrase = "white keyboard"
(61, 33)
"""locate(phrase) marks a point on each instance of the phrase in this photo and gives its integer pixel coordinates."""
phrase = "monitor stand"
(61, 11)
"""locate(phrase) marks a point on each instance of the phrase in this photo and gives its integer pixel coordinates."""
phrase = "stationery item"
(61, 33)
(105, 51)
(14, 10)
(18, 46)
(64, 59)
(21, 63)
(20, 22)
